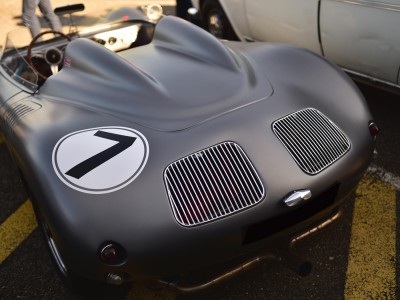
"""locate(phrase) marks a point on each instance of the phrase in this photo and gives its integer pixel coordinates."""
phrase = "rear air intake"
(313, 140)
(211, 184)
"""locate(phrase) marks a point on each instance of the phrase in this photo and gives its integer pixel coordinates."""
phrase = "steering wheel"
(52, 56)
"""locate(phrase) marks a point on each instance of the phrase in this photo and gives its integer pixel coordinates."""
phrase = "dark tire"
(86, 288)
(69, 279)
(215, 21)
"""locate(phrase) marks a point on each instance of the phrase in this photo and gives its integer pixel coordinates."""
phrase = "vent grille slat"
(312, 139)
(18, 111)
(212, 184)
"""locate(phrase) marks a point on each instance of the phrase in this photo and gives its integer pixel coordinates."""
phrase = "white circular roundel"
(100, 160)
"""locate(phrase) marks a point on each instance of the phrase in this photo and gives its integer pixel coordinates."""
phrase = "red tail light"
(112, 253)
(373, 128)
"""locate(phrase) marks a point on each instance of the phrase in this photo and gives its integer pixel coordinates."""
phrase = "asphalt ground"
(354, 258)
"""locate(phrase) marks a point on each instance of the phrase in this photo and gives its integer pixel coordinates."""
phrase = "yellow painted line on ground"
(371, 271)
(16, 229)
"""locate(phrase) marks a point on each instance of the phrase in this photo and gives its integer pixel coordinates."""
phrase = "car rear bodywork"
(187, 152)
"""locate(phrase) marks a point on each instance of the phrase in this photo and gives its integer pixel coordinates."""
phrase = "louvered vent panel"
(19, 110)
(212, 184)
(312, 139)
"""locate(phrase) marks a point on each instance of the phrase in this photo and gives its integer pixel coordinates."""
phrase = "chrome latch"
(297, 196)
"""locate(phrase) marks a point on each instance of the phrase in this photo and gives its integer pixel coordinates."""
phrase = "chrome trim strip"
(374, 80)
(317, 228)
(57, 257)
(195, 288)
(372, 4)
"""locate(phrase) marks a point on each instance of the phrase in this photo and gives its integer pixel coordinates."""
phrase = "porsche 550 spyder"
(156, 151)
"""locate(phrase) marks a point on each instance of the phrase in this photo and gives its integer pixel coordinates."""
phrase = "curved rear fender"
(291, 68)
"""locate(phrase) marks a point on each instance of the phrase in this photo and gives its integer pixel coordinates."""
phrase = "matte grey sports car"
(160, 152)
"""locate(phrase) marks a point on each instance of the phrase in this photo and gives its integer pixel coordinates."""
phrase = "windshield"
(122, 28)
(13, 59)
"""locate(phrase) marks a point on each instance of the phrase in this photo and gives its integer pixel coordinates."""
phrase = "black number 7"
(124, 142)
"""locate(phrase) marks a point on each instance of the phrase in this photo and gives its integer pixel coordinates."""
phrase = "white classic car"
(361, 36)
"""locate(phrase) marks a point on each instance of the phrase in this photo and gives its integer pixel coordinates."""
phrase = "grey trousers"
(31, 20)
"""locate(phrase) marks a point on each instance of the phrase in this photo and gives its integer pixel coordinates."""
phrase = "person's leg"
(49, 15)
(29, 17)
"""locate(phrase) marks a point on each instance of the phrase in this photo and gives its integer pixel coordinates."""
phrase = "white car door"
(285, 21)
(363, 36)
